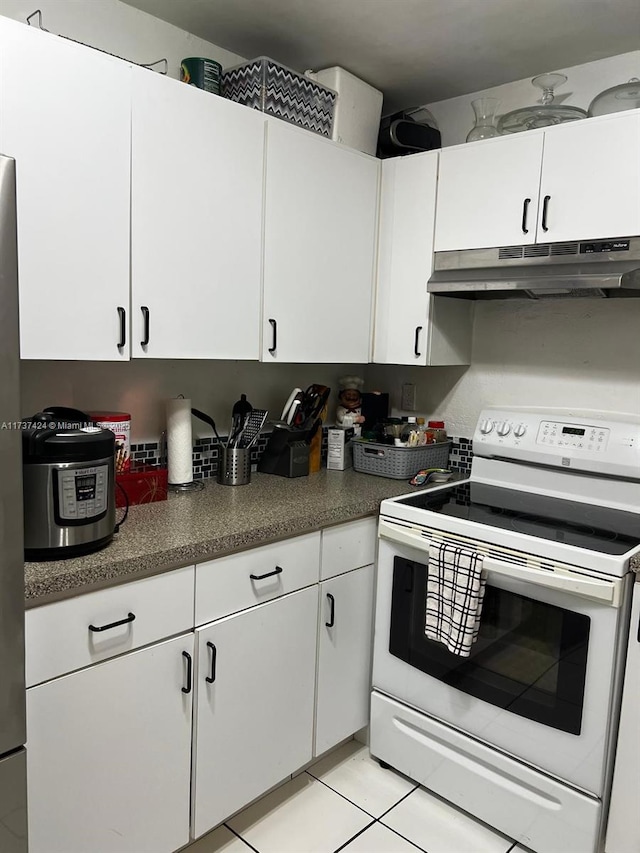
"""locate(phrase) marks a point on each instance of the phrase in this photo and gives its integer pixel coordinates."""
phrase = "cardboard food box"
(339, 450)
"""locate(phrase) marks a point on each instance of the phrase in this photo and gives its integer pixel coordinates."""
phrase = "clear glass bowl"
(618, 98)
(545, 114)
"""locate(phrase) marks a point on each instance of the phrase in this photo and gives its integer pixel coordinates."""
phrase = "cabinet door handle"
(274, 326)
(525, 211)
(214, 654)
(276, 571)
(186, 655)
(545, 210)
(332, 618)
(122, 314)
(145, 316)
(415, 342)
(130, 618)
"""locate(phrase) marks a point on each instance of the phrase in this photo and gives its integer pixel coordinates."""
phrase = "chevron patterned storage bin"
(270, 87)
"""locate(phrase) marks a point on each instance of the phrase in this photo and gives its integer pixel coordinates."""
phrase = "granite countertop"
(193, 527)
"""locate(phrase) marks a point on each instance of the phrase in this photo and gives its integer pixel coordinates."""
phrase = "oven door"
(540, 679)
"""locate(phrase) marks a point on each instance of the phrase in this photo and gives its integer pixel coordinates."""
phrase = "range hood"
(596, 268)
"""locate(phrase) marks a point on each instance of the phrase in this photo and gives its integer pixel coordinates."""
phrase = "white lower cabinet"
(108, 755)
(344, 657)
(254, 704)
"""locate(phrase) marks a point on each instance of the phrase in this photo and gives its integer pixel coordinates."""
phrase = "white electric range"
(520, 733)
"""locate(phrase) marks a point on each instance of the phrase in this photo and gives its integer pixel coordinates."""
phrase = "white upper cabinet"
(488, 193)
(591, 180)
(196, 208)
(412, 326)
(320, 230)
(65, 115)
(588, 173)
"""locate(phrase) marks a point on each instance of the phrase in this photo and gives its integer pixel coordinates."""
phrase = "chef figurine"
(349, 411)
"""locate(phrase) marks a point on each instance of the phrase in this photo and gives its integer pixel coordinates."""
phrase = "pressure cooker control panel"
(561, 438)
(82, 493)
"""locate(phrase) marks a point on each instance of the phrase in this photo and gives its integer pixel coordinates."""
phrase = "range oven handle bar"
(605, 592)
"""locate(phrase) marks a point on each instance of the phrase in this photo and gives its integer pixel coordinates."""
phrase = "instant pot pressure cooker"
(68, 477)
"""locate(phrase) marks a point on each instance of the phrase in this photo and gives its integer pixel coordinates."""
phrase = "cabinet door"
(108, 755)
(405, 312)
(483, 190)
(254, 716)
(591, 178)
(65, 117)
(320, 227)
(196, 207)
(344, 657)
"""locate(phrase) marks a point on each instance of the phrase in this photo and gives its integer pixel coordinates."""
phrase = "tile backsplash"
(205, 454)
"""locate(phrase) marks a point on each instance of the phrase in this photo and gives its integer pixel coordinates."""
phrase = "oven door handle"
(603, 591)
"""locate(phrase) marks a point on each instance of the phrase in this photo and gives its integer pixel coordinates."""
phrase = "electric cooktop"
(596, 528)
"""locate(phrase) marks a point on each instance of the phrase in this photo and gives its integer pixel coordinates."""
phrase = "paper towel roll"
(179, 441)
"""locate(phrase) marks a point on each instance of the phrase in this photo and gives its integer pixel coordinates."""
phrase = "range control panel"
(556, 437)
(82, 493)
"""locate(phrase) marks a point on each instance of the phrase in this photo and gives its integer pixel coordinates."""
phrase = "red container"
(143, 484)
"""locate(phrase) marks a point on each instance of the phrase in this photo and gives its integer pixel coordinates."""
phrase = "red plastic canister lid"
(436, 424)
(110, 416)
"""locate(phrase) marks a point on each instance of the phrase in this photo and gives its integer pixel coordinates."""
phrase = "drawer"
(348, 546)
(234, 583)
(59, 638)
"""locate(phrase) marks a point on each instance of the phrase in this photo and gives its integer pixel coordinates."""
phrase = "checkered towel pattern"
(455, 589)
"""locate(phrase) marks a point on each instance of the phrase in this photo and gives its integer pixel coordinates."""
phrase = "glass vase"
(485, 126)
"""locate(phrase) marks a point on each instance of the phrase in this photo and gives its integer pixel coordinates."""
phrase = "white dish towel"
(455, 589)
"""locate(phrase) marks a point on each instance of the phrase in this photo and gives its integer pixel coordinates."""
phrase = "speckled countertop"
(190, 528)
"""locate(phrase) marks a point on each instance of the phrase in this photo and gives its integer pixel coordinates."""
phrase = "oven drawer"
(59, 639)
(539, 812)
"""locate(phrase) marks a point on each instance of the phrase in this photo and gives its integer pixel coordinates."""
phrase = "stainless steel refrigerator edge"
(13, 789)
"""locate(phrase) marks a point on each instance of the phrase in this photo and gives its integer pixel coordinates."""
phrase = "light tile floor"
(347, 802)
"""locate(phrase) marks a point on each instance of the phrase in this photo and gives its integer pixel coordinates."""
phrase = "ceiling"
(415, 51)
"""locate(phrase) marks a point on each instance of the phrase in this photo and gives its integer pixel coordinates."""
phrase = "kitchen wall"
(575, 353)
(455, 116)
(141, 387)
(120, 29)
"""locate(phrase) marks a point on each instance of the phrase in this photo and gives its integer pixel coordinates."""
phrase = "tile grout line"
(408, 794)
(244, 840)
(400, 835)
(357, 835)
(362, 809)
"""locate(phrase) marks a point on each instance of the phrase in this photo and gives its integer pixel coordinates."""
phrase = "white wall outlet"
(408, 403)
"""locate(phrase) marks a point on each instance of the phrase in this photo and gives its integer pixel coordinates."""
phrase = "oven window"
(530, 657)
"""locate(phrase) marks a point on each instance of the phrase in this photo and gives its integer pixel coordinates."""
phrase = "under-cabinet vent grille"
(537, 251)
(564, 249)
(510, 252)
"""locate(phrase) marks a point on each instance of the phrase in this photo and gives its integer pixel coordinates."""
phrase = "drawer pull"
(130, 618)
(186, 655)
(276, 571)
(332, 618)
(214, 654)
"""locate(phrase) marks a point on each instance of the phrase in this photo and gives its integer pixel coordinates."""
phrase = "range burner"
(582, 525)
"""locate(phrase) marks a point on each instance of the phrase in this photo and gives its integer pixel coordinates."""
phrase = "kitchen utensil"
(545, 114)
(313, 402)
(207, 420)
(234, 466)
(253, 425)
(287, 406)
(242, 407)
(626, 96)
